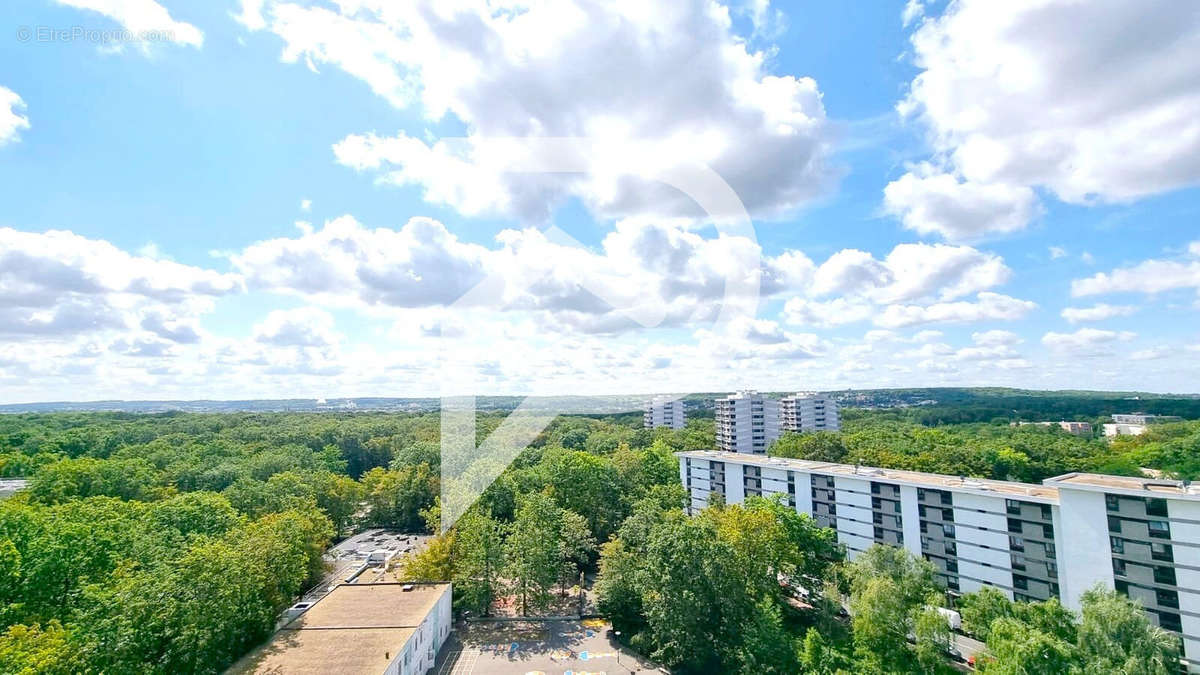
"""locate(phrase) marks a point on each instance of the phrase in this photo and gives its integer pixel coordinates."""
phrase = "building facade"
(808, 412)
(746, 422)
(1032, 542)
(663, 411)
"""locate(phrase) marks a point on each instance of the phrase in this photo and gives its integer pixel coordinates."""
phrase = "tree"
(575, 547)
(435, 562)
(478, 561)
(588, 485)
(1115, 636)
(881, 621)
(820, 446)
(933, 638)
(396, 498)
(532, 551)
(1014, 649)
(981, 608)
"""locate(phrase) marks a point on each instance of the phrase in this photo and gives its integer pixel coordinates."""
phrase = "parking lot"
(541, 647)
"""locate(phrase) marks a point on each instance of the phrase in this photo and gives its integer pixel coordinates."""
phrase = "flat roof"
(917, 478)
(1139, 485)
(357, 629)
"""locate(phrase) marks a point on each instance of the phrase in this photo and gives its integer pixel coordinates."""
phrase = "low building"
(1140, 536)
(1076, 428)
(664, 411)
(1144, 418)
(808, 412)
(1113, 430)
(360, 629)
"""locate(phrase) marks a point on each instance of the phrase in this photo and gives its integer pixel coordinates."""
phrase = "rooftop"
(1128, 484)
(359, 627)
(916, 478)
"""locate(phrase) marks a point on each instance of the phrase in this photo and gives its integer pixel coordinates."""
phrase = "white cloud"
(661, 84)
(988, 306)
(1086, 342)
(1010, 93)
(1057, 252)
(1148, 276)
(303, 327)
(804, 312)
(913, 10)
(58, 284)
(1011, 97)
(996, 338)
(1152, 354)
(932, 202)
(306, 205)
(11, 119)
(1098, 312)
(143, 18)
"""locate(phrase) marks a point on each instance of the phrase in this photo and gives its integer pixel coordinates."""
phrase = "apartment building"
(746, 422)
(1033, 542)
(663, 411)
(808, 412)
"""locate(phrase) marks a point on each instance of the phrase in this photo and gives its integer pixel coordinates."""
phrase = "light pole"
(618, 634)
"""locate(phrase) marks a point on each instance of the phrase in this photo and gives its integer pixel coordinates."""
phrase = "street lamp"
(618, 634)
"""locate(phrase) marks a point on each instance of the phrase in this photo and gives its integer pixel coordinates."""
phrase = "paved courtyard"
(544, 648)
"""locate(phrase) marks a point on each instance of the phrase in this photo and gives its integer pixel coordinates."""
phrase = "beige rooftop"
(1147, 486)
(917, 478)
(358, 627)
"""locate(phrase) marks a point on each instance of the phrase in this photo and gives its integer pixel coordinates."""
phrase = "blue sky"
(225, 207)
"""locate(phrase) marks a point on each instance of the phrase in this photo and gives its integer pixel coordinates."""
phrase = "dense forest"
(171, 542)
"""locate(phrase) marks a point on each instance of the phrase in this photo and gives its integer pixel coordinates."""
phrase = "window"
(951, 548)
(1013, 507)
(1167, 598)
(1113, 502)
(924, 543)
(879, 533)
(1121, 586)
(948, 529)
(1016, 543)
(876, 503)
(896, 507)
(1018, 563)
(1052, 570)
(1156, 506)
(1162, 552)
(1049, 550)
(921, 510)
(874, 488)
(877, 518)
(1164, 575)
(1048, 531)
(952, 566)
(1159, 529)
(1170, 621)
(1118, 567)
(947, 499)
(920, 494)
(1020, 582)
(1014, 525)
(1117, 545)
(1114, 524)
(952, 583)
(1046, 512)
(948, 515)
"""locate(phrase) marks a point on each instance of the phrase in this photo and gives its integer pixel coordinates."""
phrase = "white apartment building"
(747, 422)
(1134, 424)
(1139, 536)
(663, 411)
(808, 412)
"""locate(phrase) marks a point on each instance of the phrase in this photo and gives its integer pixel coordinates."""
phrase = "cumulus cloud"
(11, 119)
(143, 17)
(932, 202)
(1097, 312)
(60, 284)
(987, 306)
(1086, 342)
(1148, 276)
(661, 84)
(304, 327)
(1013, 101)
